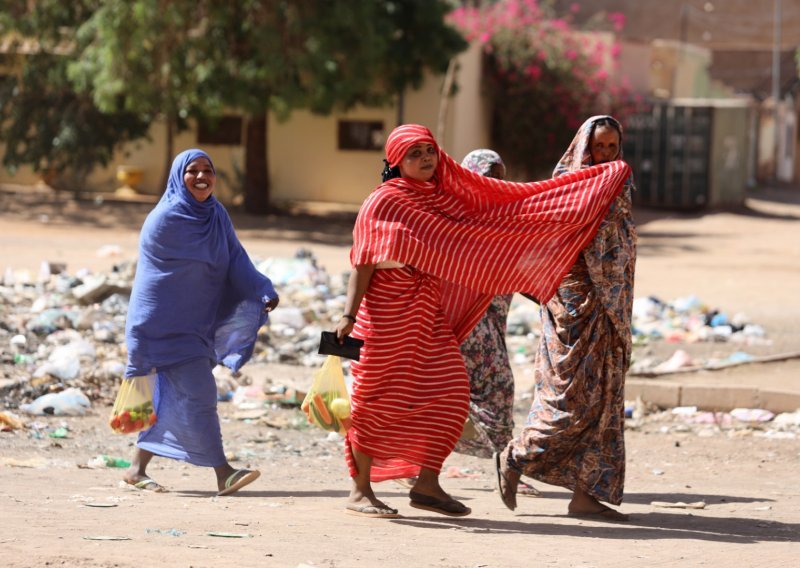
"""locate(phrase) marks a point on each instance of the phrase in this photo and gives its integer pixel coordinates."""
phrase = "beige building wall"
(636, 65)
(306, 165)
(468, 111)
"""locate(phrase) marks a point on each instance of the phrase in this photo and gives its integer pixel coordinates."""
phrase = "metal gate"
(669, 149)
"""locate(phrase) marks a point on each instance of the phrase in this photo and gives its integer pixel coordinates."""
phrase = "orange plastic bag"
(133, 407)
(327, 403)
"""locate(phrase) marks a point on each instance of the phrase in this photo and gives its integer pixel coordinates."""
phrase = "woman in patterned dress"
(490, 424)
(573, 436)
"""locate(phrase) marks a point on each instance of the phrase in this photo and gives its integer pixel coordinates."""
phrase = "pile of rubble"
(739, 422)
(59, 330)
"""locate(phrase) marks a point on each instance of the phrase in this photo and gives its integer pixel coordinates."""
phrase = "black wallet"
(350, 349)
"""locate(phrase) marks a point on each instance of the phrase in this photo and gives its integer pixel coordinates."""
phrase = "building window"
(361, 135)
(226, 130)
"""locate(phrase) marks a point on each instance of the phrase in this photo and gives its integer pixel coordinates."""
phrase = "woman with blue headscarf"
(197, 300)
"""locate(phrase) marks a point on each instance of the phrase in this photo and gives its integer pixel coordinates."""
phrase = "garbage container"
(689, 154)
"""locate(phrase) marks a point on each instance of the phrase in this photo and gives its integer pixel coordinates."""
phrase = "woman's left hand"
(271, 304)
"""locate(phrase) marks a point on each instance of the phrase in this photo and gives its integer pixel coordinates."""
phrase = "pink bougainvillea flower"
(617, 19)
(534, 72)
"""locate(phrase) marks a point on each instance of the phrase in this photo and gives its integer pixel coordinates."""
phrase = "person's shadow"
(703, 524)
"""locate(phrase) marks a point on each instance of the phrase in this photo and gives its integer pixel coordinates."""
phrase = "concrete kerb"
(668, 394)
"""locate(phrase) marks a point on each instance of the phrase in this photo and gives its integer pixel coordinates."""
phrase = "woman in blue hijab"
(197, 300)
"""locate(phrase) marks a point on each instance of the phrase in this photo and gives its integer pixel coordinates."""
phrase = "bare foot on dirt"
(584, 505)
(142, 481)
(366, 504)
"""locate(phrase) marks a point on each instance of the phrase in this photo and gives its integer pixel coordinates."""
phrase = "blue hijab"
(196, 292)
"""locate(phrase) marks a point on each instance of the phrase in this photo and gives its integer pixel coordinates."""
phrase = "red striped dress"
(463, 239)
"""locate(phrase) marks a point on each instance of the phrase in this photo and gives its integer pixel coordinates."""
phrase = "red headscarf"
(405, 136)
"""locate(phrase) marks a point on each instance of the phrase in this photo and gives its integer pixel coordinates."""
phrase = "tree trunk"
(401, 107)
(256, 172)
(444, 102)
(170, 152)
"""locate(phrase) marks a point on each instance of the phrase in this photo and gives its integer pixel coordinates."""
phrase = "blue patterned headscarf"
(196, 293)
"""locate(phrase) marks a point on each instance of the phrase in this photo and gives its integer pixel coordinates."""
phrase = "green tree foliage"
(197, 59)
(44, 122)
(144, 57)
(321, 56)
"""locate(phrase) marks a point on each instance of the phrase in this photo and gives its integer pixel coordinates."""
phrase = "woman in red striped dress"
(431, 247)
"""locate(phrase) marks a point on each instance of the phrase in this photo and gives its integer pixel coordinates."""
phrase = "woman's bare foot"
(427, 483)
(584, 505)
(427, 494)
(366, 504)
(142, 481)
(136, 475)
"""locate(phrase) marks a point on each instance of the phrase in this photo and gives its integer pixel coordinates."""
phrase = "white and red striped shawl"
(482, 236)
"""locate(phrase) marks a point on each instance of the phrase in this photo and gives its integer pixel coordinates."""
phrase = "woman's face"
(199, 178)
(604, 145)
(420, 162)
(497, 171)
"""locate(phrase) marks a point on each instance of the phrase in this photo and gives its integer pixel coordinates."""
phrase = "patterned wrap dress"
(444, 238)
(491, 382)
(574, 433)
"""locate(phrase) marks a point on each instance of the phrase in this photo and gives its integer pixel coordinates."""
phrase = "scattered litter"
(10, 421)
(752, 414)
(718, 418)
(787, 420)
(33, 463)
(229, 535)
(102, 461)
(679, 505)
(59, 433)
(109, 250)
(105, 537)
(167, 532)
(679, 360)
(454, 472)
(69, 402)
(100, 505)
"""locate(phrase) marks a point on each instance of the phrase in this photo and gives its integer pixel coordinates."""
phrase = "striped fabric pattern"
(478, 239)
(463, 239)
(412, 393)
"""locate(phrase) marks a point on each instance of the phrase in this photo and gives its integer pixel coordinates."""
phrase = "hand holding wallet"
(350, 349)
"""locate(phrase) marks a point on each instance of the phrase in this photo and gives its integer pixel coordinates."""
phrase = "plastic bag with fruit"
(327, 403)
(133, 409)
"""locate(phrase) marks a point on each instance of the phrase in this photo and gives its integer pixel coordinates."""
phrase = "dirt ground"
(746, 260)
